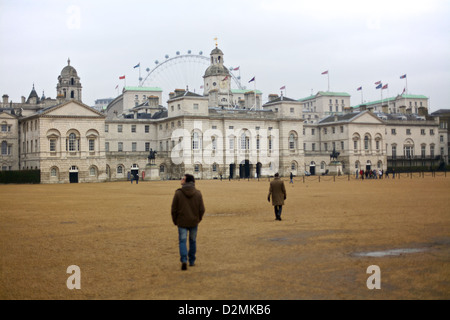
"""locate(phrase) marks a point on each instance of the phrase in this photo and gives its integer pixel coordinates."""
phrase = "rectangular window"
(133, 146)
(313, 147)
(147, 129)
(393, 132)
(422, 132)
(195, 106)
(231, 141)
(147, 146)
(119, 128)
(107, 146)
(120, 146)
(52, 145)
(91, 145)
(408, 131)
(106, 128)
(133, 128)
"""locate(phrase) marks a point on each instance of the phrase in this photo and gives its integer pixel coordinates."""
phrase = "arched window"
(73, 142)
(195, 141)
(366, 143)
(291, 141)
(54, 172)
(245, 141)
(92, 171)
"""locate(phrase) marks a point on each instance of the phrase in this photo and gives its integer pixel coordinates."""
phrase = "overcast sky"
(280, 43)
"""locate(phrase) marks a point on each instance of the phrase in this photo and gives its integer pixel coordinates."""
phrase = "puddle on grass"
(392, 252)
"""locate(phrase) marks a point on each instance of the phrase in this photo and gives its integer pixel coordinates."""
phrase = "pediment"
(73, 108)
(366, 117)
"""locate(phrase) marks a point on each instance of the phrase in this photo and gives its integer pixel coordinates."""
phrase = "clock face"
(214, 84)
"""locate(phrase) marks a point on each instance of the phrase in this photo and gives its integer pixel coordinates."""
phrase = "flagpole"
(406, 79)
(328, 74)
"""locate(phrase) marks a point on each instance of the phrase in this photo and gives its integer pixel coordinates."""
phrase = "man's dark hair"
(189, 178)
(276, 174)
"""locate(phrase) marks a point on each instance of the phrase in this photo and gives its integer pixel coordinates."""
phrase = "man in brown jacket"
(278, 192)
(187, 212)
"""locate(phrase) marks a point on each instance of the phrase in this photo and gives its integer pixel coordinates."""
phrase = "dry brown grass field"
(122, 238)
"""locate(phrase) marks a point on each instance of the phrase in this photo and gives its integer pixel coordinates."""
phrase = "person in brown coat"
(187, 212)
(278, 192)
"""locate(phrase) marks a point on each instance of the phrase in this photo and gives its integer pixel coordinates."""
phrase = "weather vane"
(215, 39)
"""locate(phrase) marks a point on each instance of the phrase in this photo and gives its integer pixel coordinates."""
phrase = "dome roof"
(216, 69)
(68, 70)
(216, 51)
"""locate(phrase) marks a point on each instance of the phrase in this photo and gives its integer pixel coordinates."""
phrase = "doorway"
(73, 174)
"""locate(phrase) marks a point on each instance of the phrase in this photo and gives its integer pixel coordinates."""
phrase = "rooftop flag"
(236, 69)
(325, 72)
(379, 86)
(283, 87)
(403, 76)
(122, 77)
(226, 78)
(359, 89)
(385, 86)
(253, 79)
(137, 66)
(378, 82)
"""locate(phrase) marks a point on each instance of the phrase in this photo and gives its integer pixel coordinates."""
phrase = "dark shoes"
(184, 265)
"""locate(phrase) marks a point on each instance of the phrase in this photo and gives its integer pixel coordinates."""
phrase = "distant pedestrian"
(137, 177)
(292, 178)
(187, 212)
(278, 192)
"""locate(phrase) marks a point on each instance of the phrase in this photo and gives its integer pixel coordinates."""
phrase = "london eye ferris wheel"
(182, 71)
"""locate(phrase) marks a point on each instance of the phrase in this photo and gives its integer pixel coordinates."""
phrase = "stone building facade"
(223, 133)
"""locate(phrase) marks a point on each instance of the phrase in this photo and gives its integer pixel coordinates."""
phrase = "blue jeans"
(182, 240)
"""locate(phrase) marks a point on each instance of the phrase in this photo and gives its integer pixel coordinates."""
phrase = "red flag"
(385, 86)
(378, 82)
(236, 69)
(283, 87)
(325, 72)
(226, 78)
(122, 77)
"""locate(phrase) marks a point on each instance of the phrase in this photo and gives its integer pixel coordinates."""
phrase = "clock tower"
(217, 81)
